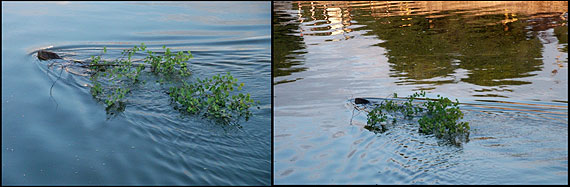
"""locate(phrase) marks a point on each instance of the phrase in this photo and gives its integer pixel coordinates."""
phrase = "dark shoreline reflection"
(287, 44)
(427, 42)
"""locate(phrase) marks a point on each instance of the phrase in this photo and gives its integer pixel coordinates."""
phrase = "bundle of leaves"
(441, 117)
(211, 97)
(114, 80)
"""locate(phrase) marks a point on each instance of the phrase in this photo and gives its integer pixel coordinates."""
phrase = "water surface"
(60, 135)
(506, 62)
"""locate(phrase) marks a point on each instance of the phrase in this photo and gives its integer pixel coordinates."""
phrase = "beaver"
(46, 55)
(361, 101)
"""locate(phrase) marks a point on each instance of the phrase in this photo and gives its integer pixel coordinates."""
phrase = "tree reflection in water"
(428, 42)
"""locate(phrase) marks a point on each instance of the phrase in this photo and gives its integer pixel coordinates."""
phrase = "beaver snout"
(361, 101)
(46, 55)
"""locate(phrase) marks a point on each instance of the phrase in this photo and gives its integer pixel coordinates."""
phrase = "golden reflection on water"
(338, 14)
(435, 9)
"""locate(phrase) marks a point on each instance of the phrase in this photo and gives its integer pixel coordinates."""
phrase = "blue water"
(506, 62)
(66, 137)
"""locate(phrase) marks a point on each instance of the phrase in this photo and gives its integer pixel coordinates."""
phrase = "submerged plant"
(440, 117)
(113, 80)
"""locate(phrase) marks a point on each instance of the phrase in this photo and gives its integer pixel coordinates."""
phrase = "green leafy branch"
(440, 118)
(113, 80)
(212, 98)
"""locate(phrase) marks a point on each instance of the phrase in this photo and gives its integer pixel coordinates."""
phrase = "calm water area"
(506, 62)
(55, 133)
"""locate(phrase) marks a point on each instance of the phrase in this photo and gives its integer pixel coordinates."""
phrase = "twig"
(51, 88)
(98, 65)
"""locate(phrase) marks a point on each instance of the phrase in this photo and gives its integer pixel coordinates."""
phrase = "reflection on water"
(289, 44)
(507, 62)
(429, 42)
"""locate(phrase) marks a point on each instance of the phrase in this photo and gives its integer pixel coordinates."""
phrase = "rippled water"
(506, 62)
(68, 138)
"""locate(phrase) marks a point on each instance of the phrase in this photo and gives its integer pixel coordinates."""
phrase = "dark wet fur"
(361, 101)
(46, 55)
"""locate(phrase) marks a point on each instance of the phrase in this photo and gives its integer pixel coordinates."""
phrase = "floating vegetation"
(114, 80)
(437, 116)
(212, 98)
